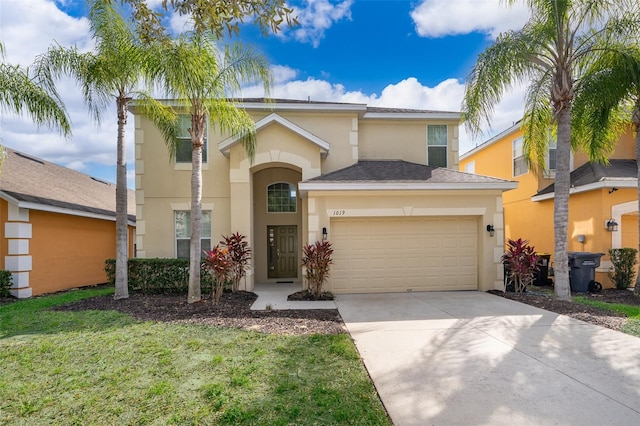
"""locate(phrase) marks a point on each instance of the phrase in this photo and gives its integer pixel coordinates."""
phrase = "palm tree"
(202, 79)
(113, 71)
(20, 93)
(548, 53)
(607, 99)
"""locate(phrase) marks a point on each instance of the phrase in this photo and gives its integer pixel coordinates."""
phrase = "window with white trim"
(470, 167)
(281, 198)
(184, 146)
(437, 145)
(183, 232)
(520, 164)
(551, 158)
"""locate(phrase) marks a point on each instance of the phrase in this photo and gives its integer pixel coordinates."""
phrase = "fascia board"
(372, 186)
(302, 106)
(413, 115)
(491, 141)
(623, 183)
(59, 210)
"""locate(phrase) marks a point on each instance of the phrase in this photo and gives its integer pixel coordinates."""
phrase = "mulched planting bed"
(232, 311)
(305, 295)
(597, 316)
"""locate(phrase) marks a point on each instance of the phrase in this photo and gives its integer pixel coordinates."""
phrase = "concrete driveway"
(470, 358)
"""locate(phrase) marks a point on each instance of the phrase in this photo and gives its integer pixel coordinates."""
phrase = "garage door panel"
(400, 254)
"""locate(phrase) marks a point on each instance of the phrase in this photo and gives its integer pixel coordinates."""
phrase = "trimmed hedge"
(5, 283)
(158, 276)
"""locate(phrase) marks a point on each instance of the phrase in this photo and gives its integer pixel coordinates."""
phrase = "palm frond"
(19, 94)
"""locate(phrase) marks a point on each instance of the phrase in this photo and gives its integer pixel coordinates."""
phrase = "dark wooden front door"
(282, 249)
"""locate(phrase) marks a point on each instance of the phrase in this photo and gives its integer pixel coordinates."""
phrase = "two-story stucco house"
(381, 184)
(600, 195)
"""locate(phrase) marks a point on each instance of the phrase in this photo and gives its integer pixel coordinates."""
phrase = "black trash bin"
(582, 269)
(542, 276)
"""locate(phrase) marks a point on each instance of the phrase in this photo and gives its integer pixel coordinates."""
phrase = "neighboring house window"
(183, 232)
(551, 159)
(183, 148)
(281, 198)
(520, 165)
(437, 145)
(470, 167)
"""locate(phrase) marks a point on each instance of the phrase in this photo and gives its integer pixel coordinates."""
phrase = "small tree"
(521, 262)
(240, 255)
(219, 264)
(623, 260)
(317, 261)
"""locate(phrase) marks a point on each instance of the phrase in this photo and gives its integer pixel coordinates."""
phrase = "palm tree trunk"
(198, 121)
(561, 203)
(122, 228)
(636, 124)
(196, 226)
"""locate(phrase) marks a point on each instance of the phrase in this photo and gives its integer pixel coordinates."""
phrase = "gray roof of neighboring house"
(615, 171)
(401, 171)
(29, 179)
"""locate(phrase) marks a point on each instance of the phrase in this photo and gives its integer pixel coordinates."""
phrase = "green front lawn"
(97, 367)
(631, 311)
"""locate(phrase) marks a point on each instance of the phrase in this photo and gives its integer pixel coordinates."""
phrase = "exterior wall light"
(324, 234)
(612, 225)
(491, 230)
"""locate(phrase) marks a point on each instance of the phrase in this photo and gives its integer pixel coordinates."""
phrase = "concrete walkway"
(470, 358)
(274, 297)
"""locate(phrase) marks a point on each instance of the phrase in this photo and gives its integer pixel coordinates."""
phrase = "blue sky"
(393, 53)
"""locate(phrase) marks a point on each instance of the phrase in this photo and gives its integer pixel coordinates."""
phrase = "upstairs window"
(437, 145)
(183, 232)
(281, 198)
(551, 159)
(470, 167)
(520, 164)
(183, 148)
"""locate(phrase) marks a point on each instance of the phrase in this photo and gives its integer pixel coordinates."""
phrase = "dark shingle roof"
(616, 170)
(312, 102)
(401, 171)
(33, 180)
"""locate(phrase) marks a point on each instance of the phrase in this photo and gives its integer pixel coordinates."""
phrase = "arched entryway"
(277, 223)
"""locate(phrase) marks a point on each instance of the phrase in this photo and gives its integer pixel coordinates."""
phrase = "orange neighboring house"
(600, 195)
(59, 225)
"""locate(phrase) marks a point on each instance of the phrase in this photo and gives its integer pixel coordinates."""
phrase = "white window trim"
(470, 167)
(513, 157)
(187, 207)
(446, 146)
(550, 173)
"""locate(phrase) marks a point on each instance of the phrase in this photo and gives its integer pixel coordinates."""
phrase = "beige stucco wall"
(403, 140)
(486, 205)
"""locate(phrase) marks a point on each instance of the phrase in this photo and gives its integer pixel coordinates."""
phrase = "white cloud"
(437, 18)
(26, 38)
(315, 17)
(283, 73)
(408, 93)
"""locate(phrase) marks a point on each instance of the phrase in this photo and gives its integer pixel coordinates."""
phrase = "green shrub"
(5, 283)
(623, 260)
(157, 276)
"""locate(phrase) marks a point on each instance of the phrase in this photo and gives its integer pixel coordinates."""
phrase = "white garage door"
(400, 254)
